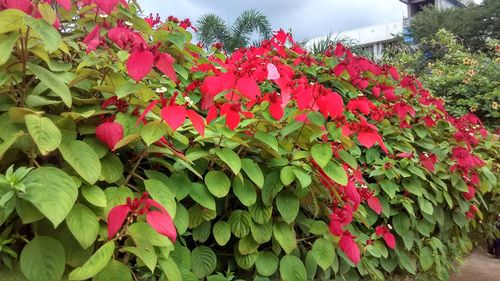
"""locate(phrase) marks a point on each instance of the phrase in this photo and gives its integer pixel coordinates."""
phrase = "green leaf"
(426, 258)
(43, 131)
(425, 206)
(4, 146)
(389, 187)
(94, 195)
(97, 262)
(10, 20)
(268, 139)
(240, 221)
(217, 183)
(43, 259)
(285, 235)
(161, 194)
(115, 270)
(322, 153)
(303, 177)
(266, 263)
(287, 175)
(260, 212)
(83, 224)
(202, 196)
(292, 269)
(401, 223)
(7, 42)
(203, 261)
(82, 158)
(335, 172)
(230, 158)
(323, 253)
(261, 233)
(53, 81)
(143, 234)
(145, 254)
(348, 158)
(253, 171)
(111, 168)
(153, 131)
(181, 219)
(170, 268)
(288, 206)
(221, 232)
(49, 35)
(245, 191)
(406, 262)
(51, 191)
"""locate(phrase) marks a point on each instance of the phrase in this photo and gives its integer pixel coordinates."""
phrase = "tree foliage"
(473, 25)
(129, 153)
(213, 29)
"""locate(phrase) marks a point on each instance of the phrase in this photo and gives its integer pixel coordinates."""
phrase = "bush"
(467, 81)
(128, 153)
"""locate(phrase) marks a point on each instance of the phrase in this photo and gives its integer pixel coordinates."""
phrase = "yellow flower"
(473, 108)
(494, 105)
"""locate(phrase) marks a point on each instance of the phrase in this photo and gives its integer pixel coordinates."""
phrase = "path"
(478, 266)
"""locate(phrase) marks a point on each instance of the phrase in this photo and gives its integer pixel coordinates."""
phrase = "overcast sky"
(306, 18)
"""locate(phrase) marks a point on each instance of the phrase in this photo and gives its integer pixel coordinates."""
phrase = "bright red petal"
(331, 105)
(248, 88)
(146, 110)
(165, 65)
(232, 119)
(197, 121)
(352, 194)
(368, 139)
(174, 115)
(116, 218)
(350, 248)
(276, 110)
(336, 228)
(375, 205)
(109, 133)
(212, 114)
(106, 5)
(139, 64)
(390, 240)
(162, 223)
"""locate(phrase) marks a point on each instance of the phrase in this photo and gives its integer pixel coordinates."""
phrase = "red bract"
(139, 64)
(109, 133)
(428, 161)
(164, 62)
(93, 39)
(65, 4)
(108, 5)
(248, 88)
(375, 205)
(174, 115)
(159, 219)
(349, 247)
(331, 104)
(389, 238)
(470, 194)
(197, 121)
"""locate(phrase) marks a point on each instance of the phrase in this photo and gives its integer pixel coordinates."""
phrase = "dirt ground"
(479, 266)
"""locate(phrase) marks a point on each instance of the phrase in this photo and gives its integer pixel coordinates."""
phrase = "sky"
(306, 18)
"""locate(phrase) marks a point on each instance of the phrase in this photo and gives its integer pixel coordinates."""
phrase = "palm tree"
(213, 29)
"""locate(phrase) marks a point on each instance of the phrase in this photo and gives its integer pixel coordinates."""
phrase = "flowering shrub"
(130, 154)
(467, 81)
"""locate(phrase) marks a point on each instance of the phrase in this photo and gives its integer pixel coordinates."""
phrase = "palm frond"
(212, 29)
(249, 21)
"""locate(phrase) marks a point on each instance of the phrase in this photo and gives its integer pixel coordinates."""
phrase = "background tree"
(213, 29)
(473, 24)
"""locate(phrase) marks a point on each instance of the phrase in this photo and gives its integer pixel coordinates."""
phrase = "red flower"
(109, 133)
(108, 5)
(139, 64)
(389, 239)
(330, 104)
(93, 39)
(470, 194)
(375, 205)
(164, 62)
(248, 88)
(174, 115)
(65, 4)
(159, 219)
(428, 161)
(349, 247)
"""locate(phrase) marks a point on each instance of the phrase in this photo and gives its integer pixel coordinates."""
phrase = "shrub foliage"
(128, 153)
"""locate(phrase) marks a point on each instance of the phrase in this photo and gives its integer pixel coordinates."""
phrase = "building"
(375, 38)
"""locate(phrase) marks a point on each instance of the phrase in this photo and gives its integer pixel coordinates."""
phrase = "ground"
(478, 266)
